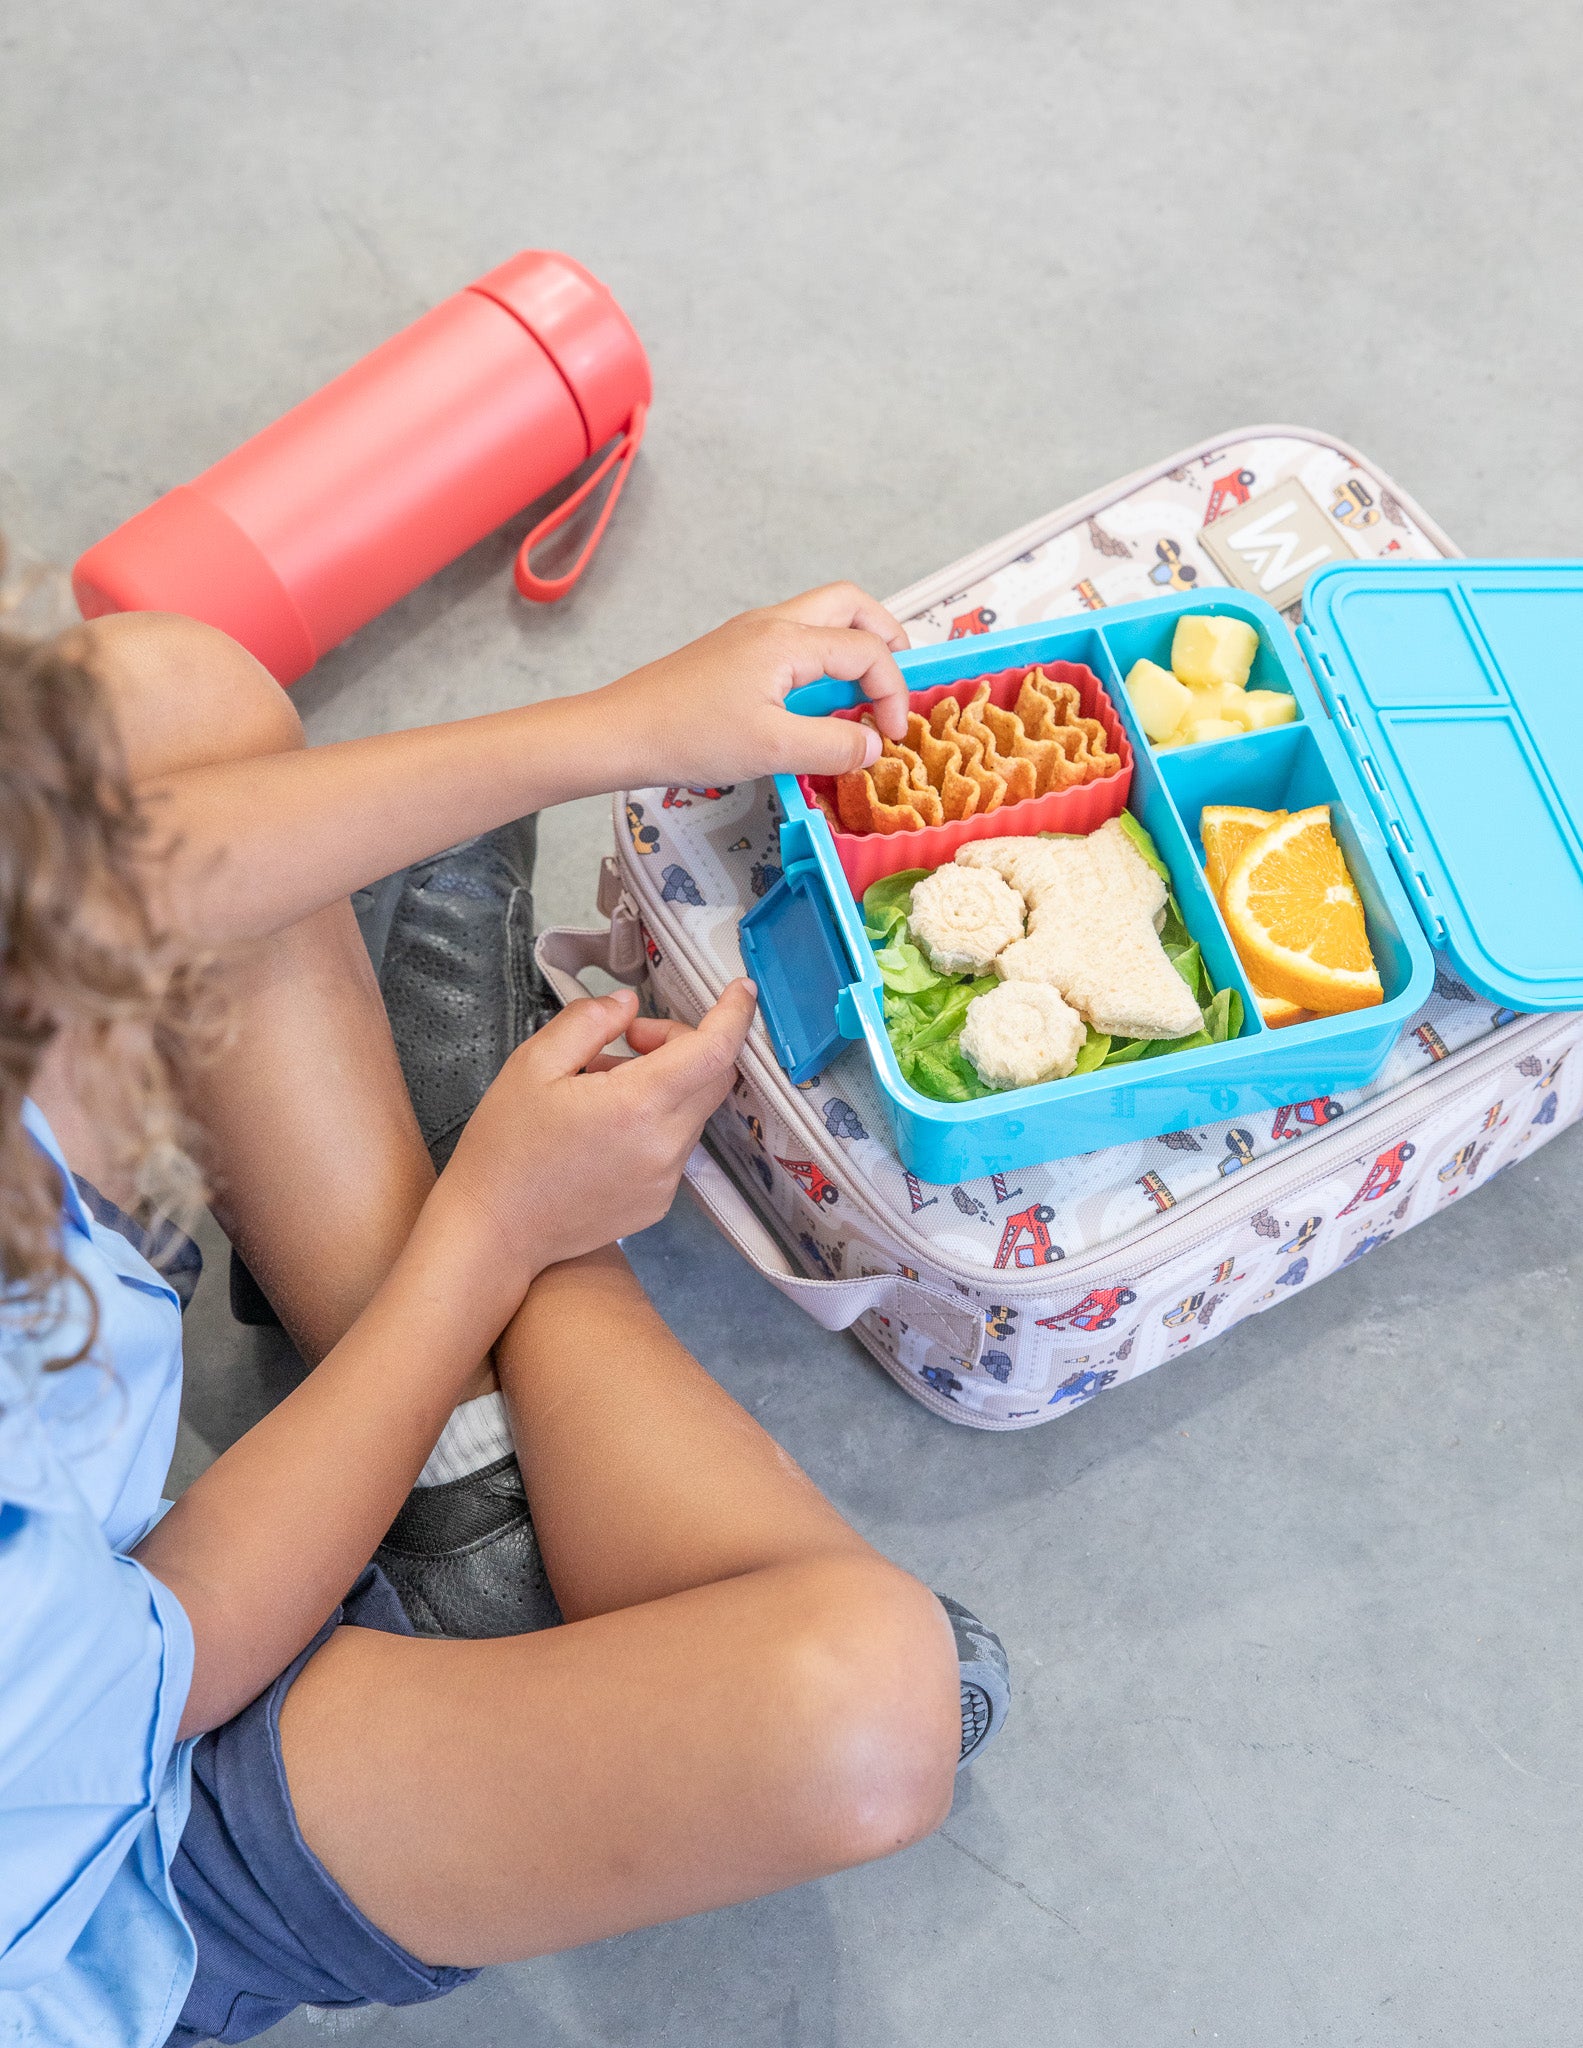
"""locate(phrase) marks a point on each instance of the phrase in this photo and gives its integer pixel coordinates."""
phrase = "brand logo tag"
(1274, 542)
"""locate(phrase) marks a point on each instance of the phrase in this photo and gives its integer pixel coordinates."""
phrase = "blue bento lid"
(792, 949)
(1457, 688)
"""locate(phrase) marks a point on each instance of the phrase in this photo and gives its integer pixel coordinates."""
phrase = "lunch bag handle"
(564, 952)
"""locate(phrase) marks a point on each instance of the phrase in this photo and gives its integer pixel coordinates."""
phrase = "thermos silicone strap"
(545, 589)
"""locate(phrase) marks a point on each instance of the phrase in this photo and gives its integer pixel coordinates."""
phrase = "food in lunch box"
(1204, 695)
(1099, 910)
(1021, 1033)
(1092, 937)
(963, 916)
(1227, 831)
(1209, 649)
(966, 760)
(1296, 918)
(1160, 701)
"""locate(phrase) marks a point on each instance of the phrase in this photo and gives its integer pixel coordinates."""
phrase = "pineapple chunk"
(1264, 708)
(1196, 732)
(1209, 650)
(1223, 700)
(1158, 698)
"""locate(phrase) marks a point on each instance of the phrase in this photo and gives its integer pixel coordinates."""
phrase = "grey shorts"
(274, 1929)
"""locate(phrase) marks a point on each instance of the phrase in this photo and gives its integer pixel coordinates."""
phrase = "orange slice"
(1277, 1012)
(1297, 919)
(1228, 830)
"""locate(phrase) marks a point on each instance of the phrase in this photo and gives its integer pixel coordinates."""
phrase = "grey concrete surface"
(1296, 1752)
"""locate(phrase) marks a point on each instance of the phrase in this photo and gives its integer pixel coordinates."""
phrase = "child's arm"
(555, 1162)
(260, 843)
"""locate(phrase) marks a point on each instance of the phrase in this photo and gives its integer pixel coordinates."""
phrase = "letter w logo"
(1274, 555)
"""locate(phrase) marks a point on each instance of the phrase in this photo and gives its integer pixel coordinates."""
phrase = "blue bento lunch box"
(1439, 717)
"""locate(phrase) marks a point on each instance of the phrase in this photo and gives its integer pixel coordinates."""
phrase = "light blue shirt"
(95, 1660)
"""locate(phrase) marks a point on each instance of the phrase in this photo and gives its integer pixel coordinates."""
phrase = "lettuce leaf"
(904, 970)
(887, 902)
(1093, 1052)
(1223, 1015)
(1189, 964)
(1145, 846)
(942, 1072)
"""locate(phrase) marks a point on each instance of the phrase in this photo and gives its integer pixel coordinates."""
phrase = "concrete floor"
(1296, 1751)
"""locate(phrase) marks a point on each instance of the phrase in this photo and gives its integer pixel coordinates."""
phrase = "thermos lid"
(582, 330)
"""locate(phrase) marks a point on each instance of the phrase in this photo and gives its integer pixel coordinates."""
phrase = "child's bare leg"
(492, 1800)
(745, 1696)
(646, 1477)
(316, 1162)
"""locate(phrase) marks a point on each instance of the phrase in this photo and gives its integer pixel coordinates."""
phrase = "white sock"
(478, 1434)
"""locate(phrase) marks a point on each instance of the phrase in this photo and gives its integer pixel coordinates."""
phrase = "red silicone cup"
(868, 856)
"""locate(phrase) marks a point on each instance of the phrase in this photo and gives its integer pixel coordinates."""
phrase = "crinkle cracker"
(967, 759)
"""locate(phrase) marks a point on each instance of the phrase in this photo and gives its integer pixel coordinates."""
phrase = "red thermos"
(393, 469)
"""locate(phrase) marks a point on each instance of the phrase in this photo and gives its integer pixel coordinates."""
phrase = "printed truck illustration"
(1184, 1311)
(644, 837)
(1227, 493)
(809, 1178)
(1025, 1241)
(1306, 1232)
(979, 620)
(1096, 1311)
(1383, 1176)
(1082, 1386)
(1293, 1118)
(1170, 571)
(1354, 505)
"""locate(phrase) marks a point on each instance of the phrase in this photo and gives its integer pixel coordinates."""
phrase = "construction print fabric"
(1280, 509)
(1091, 1270)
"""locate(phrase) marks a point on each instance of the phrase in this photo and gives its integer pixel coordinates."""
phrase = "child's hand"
(571, 1149)
(714, 712)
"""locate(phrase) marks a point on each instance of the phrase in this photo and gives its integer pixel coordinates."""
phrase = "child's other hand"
(570, 1148)
(714, 712)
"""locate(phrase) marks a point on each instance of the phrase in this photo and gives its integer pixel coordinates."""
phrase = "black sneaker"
(464, 1560)
(986, 1679)
(454, 939)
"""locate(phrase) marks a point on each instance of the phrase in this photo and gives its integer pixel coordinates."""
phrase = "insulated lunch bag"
(1006, 1300)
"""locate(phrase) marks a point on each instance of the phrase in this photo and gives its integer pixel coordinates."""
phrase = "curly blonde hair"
(80, 955)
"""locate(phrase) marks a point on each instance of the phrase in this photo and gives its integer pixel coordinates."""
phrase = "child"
(744, 1695)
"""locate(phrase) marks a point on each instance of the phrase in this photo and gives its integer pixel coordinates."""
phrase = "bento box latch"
(793, 948)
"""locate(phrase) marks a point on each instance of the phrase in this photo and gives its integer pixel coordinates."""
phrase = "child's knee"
(874, 1670)
(185, 693)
